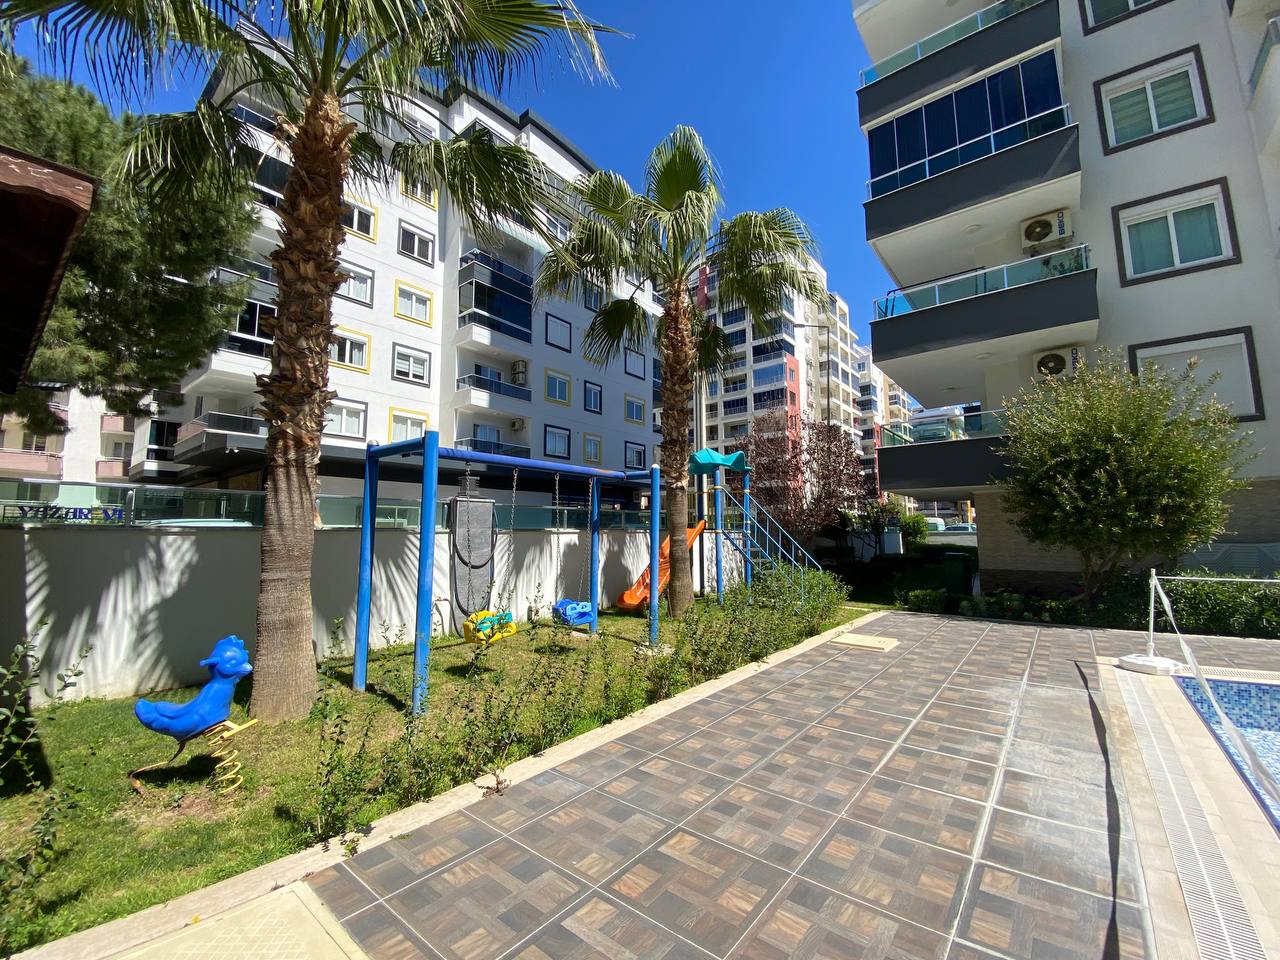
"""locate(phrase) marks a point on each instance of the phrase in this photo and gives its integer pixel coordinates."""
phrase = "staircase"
(762, 541)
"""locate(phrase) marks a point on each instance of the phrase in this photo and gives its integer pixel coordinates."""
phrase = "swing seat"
(485, 626)
(573, 613)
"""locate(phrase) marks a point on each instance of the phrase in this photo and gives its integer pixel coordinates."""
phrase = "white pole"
(1151, 618)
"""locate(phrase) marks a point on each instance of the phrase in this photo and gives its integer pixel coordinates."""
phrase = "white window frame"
(408, 417)
(628, 449)
(1168, 206)
(398, 350)
(420, 293)
(350, 337)
(548, 377)
(630, 366)
(351, 203)
(563, 339)
(592, 296)
(407, 189)
(1241, 337)
(627, 401)
(1133, 5)
(355, 272)
(588, 386)
(349, 406)
(549, 430)
(1143, 79)
(587, 440)
(420, 234)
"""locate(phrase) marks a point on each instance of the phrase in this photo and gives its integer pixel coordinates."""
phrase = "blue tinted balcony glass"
(1004, 95)
(940, 125)
(1040, 86)
(909, 129)
(973, 113)
(884, 153)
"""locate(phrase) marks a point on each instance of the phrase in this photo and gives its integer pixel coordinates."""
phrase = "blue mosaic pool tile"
(1255, 709)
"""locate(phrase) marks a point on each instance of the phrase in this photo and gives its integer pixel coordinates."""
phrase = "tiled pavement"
(952, 798)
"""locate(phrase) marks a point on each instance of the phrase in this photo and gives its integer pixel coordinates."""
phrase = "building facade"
(1053, 176)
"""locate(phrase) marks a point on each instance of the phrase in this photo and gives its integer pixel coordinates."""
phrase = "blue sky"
(772, 91)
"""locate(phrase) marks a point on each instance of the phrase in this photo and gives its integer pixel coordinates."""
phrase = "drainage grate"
(1221, 924)
(1233, 673)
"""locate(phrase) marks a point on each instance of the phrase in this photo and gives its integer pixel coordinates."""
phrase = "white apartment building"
(1050, 176)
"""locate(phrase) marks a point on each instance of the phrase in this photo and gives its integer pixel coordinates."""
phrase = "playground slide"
(636, 599)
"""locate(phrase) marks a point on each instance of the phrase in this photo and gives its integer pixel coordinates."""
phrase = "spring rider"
(208, 715)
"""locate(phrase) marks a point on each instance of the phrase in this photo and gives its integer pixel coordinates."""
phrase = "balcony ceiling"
(887, 26)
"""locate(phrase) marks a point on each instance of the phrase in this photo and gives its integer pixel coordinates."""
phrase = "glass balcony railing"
(944, 38)
(986, 280)
(1269, 39)
(492, 446)
(223, 423)
(494, 386)
(497, 266)
(971, 151)
(986, 423)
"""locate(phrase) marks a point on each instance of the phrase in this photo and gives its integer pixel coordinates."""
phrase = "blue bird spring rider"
(208, 715)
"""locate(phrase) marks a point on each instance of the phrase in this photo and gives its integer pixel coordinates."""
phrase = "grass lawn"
(121, 851)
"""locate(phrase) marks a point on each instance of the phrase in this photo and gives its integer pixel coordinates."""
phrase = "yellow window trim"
(420, 414)
(568, 401)
(643, 408)
(370, 209)
(368, 349)
(433, 203)
(431, 303)
(598, 439)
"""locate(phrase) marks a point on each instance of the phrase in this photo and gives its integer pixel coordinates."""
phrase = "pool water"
(1255, 709)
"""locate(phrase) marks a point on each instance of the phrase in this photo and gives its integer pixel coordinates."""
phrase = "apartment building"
(1051, 176)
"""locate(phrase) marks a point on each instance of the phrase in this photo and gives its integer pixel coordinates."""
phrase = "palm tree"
(319, 64)
(669, 235)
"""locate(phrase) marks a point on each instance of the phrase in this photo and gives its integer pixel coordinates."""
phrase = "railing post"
(595, 556)
(719, 507)
(746, 521)
(1151, 617)
(655, 539)
(364, 575)
(426, 569)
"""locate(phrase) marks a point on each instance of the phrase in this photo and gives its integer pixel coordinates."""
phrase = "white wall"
(153, 602)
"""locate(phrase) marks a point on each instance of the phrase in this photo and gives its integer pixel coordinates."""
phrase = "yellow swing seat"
(486, 626)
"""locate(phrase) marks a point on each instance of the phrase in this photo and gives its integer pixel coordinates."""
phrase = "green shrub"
(925, 601)
(915, 531)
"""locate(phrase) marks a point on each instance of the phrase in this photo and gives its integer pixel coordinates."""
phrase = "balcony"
(927, 338)
(480, 394)
(1264, 88)
(112, 469)
(212, 434)
(949, 466)
(30, 463)
(492, 446)
(961, 50)
(495, 295)
(116, 423)
(232, 368)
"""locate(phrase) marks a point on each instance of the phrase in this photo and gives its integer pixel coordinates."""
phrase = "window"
(417, 243)
(1153, 100)
(633, 363)
(119, 450)
(490, 437)
(486, 372)
(713, 388)
(557, 227)
(250, 335)
(592, 448)
(418, 190)
(991, 114)
(412, 366)
(1101, 13)
(269, 179)
(556, 387)
(34, 442)
(359, 219)
(555, 442)
(737, 337)
(633, 410)
(345, 418)
(592, 397)
(406, 424)
(559, 333)
(713, 432)
(1229, 353)
(592, 296)
(1174, 233)
(349, 349)
(413, 303)
(634, 455)
(735, 316)
(358, 286)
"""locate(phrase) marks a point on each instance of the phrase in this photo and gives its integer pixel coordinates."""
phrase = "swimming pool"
(1255, 709)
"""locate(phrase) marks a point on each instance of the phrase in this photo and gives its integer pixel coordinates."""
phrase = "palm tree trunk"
(295, 396)
(678, 356)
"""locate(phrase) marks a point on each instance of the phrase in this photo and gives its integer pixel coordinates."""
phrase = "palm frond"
(759, 257)
(616, 325)
(713, 351)
(169, 152)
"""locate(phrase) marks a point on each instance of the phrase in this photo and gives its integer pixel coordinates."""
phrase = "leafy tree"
(669, 234)
(137, 308)
(1123, 469)
(806, 474)
(341, 59)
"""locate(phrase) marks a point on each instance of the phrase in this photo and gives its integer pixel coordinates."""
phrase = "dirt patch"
(162, 808)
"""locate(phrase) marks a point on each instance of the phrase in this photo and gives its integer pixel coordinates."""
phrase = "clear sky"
(772, 88)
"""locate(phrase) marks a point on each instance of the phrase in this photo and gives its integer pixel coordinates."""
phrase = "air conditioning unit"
(1056, 363)
(520, 372)
(518, 424)
(1047, 231)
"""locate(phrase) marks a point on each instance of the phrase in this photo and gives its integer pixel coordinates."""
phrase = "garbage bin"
(957, 573)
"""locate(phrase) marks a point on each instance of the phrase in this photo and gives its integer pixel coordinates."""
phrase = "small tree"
(1123, 469)
(805, 472)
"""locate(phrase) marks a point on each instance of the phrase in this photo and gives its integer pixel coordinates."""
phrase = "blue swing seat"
(574, 613)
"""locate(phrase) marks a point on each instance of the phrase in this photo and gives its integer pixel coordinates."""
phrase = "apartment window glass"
(345, 419)
(737, 337)
(412, 303)
(413, 366)
(358, 219)
(358, 285)
(559, 333)
(713, 388)
(407, 426)
(592, 296)
(489, 436)
(1229, 354)
(633, 363)
(557, 387)
(350, 349)
(592, 448)
(418, 190)
(634, 455)
(1175, 233)
(269, 178)
(417, 243)
(555, 442)
(1163, 97)
(1100, 11)
(558, 228)
(735, 316)
(633, 410)
(34, 442)
(592, 397)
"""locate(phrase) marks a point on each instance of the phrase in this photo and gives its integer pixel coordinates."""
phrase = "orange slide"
(636, 599)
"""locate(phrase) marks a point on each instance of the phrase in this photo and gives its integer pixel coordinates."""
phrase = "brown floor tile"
(718, 753)
(1067, 801)
(865, 722)
(941, 772)
(962, 951)
(773, 828)
(744, 691)
(1021, 916)
(703, 712)
(986, 693)
(523, 801)
(658, 735)
(827, 786)
(846, 749)
(990, 722)
(959, 743)
(1086, 765)
(1105, 864)
(808, 705)
(340, 891)
(906, 878)
(666, 788)
(700, 889)
(921, 814)
(764, 728)
(810, 923)
(1000, 668)
(600, 929)
(487, 902)
(602, 763)
(397, 863)
(383, 937)
(893, 704)
(592, 835)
